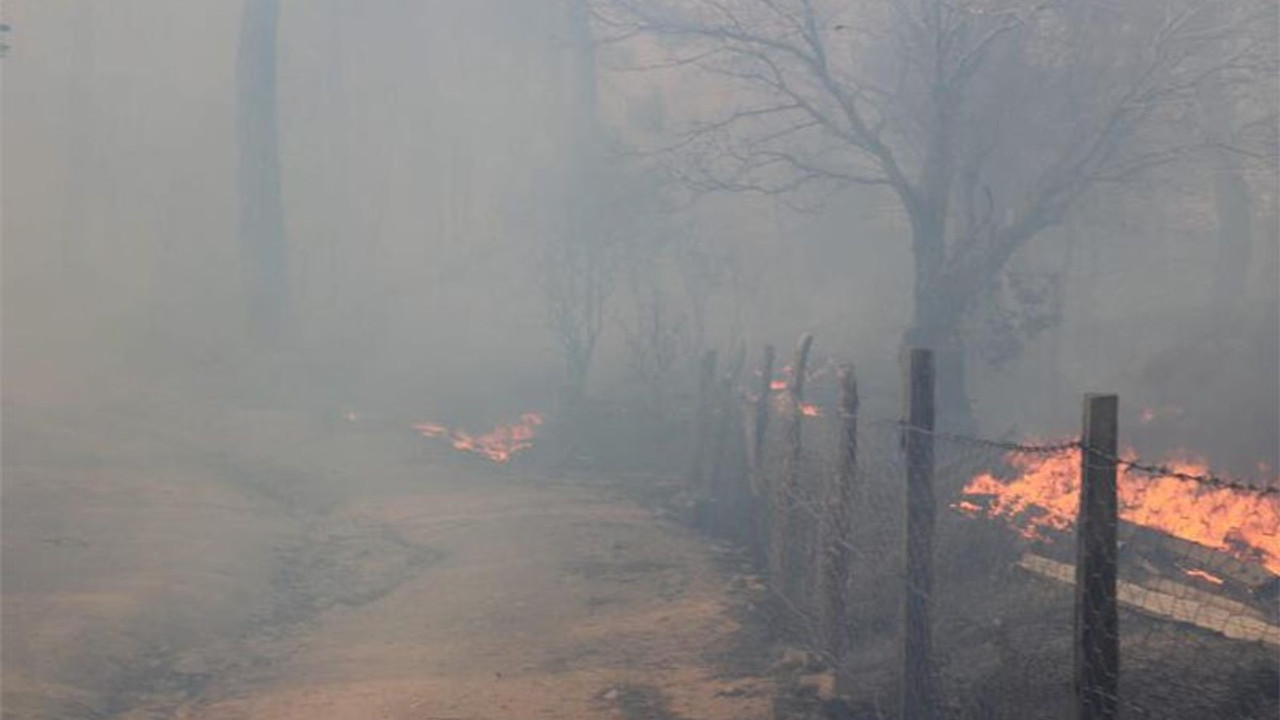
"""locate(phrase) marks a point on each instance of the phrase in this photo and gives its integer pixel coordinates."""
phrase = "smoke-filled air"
(640, 360)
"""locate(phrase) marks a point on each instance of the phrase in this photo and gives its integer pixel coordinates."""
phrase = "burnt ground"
(234, 563)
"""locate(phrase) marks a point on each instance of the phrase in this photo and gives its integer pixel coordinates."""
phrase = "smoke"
(425, 150)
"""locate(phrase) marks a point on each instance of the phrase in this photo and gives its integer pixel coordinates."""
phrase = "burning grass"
(1043, 496)
(499, 445)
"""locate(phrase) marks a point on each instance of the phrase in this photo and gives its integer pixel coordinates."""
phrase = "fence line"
(843, 520)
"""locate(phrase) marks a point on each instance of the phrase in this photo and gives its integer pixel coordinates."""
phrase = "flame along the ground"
(806, 409)
(782, 380)
(505, 441)
(1043, 496)
(499, 445)
(1205, 575)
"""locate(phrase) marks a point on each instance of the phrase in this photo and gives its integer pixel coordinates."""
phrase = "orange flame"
(1205, 575)
(783, 405)
(431, 430)
(1045, 496)
(499, 444)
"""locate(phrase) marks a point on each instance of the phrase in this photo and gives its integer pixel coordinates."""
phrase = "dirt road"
(349, 577)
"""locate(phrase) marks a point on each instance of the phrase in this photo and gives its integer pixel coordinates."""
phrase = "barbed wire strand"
(1155, 618)
(1261, 488)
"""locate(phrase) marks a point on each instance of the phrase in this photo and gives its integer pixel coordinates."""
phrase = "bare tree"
(986, 120)
(616, 222)
(610, 214)
(1241, 130)
(261, 223)
(578, 265)
(657, 326)
(579, 276)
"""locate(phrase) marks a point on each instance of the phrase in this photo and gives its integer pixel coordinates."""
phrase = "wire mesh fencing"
(965, 590)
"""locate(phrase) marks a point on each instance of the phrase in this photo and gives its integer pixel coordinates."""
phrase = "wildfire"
(1204, 575)
(499, 444)
(783, 405)
(1044, 496)
(431, 430)
(828, 368)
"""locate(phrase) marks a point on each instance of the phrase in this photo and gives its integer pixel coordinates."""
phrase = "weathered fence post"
(837, 523)
(796, 387)
(725, 413)
(782, 544)
(1097, 638)
(761, 488)
(919, 696)
(701, 419)
(762, 412)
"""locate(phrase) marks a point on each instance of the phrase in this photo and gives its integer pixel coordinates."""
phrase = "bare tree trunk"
(579, 264)
(261, 226)
(939, 309)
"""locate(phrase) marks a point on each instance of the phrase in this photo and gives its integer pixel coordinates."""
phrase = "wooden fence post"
(1097, 638)
(782, 544)
(706, 388)
(919, 696)
(762, 412)
(801, 361)
(726, 414)
(761, 488)
(837, 523)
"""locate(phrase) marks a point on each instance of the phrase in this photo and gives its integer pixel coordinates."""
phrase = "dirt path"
(402, 588)
(543, 603)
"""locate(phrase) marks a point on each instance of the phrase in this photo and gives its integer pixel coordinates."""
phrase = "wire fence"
(966, 589)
